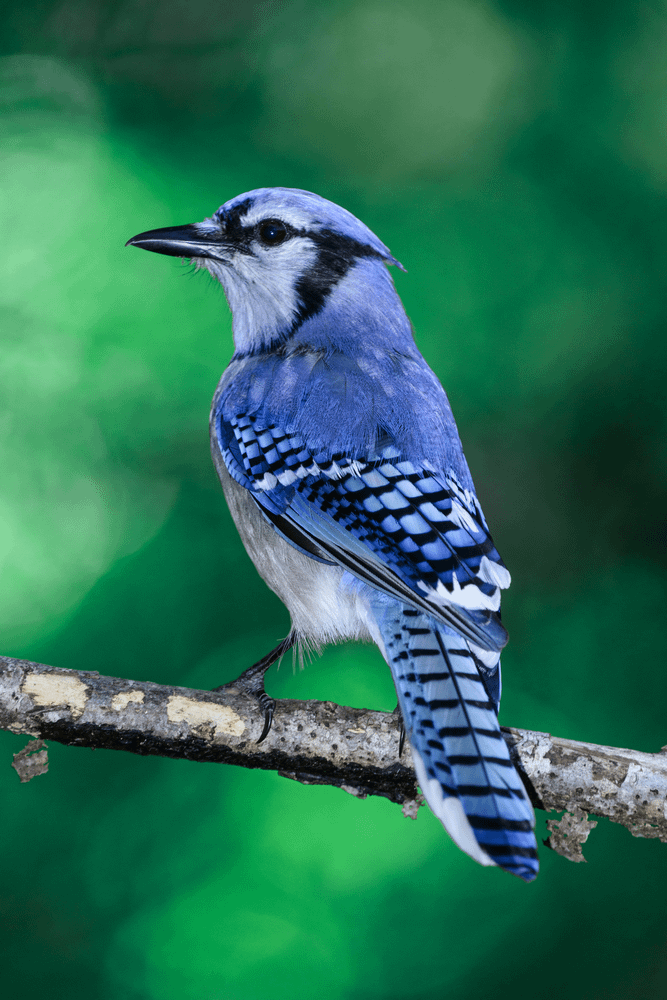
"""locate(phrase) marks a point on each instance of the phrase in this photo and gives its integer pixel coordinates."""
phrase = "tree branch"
(319, 743)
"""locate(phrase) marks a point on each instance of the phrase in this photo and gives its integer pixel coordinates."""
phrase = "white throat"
(261, 289)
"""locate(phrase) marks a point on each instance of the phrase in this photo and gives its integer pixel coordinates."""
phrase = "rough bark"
(317, 743)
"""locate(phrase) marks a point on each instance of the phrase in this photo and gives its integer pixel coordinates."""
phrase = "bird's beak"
(180, 241)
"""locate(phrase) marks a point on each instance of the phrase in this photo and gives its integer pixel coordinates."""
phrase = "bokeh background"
(513, 155)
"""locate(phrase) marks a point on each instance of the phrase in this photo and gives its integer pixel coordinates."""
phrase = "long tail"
(448, 691)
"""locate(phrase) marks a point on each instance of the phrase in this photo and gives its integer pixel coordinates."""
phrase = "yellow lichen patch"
(122, 700)
(203, 714)
(57, 690)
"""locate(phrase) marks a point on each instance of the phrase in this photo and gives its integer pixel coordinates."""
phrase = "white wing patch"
(469, 596)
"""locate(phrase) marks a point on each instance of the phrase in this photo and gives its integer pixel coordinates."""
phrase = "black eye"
(272, 232)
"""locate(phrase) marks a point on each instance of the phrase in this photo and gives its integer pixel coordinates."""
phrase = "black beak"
(179, 241)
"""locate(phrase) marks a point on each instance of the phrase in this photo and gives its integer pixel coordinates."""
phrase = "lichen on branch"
(318, 743)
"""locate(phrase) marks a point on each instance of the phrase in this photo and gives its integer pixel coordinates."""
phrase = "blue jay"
(343, 469)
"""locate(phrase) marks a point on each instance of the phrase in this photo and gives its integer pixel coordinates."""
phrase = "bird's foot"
(251, 681)
(401, 732)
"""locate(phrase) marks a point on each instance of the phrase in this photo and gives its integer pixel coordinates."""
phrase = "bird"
(343, 469)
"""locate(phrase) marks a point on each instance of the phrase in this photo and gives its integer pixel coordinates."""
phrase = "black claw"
(252, 682)
(401, 731)
(269, 705)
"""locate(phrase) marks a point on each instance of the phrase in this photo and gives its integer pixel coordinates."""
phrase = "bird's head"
(279, 253)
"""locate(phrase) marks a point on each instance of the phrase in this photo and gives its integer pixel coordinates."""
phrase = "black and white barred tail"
(448, 695)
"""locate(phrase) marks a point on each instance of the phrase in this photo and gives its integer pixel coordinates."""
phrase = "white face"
(260, 281)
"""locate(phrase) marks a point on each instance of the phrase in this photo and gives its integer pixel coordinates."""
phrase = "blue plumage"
(343, 469)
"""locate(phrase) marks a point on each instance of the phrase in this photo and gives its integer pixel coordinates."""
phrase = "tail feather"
(447, 694)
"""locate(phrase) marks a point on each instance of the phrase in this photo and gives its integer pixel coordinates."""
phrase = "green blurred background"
(514, 156)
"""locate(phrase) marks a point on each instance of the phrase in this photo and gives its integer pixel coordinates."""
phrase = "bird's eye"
(272, 232)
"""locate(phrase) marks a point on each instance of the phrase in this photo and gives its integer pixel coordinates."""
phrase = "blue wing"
(405, 528)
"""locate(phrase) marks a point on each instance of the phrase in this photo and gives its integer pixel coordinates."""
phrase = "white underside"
(322, 609)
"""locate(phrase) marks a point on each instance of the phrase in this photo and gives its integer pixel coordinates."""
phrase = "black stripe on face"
(336, 254)
(238, 235)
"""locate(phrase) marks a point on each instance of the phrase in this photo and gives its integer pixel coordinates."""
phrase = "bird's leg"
(401, 732)
(251, 681)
